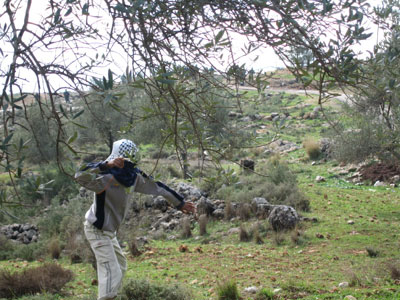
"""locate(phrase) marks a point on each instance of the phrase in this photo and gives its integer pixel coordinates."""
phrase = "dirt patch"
(380, 171)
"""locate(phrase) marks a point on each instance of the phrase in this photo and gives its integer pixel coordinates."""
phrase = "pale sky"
(267, 58)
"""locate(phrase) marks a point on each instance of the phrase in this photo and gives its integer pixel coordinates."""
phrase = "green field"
(307, 263)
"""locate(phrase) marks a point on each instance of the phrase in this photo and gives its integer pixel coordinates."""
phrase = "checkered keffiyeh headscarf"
(122, 148)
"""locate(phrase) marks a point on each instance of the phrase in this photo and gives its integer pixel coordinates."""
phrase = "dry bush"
(354, 279)
(244, 236)
(46, 278)
(141, 289)
(372, 252)
(394, 270)
(203, 220)
(278, 238)
(297, 237)
(6, 247)
(186, 228)
(256, 234)
(229, 211)
(133, 247)
(244, 211)
(312, 148)
(78, 249)
(54, 248)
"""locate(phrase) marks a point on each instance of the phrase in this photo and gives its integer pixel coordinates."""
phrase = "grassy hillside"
(352, 235)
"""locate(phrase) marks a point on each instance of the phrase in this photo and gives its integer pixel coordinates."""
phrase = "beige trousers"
(111, 262)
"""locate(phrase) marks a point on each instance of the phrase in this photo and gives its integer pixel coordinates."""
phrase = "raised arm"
(89, 176)
(146, 185)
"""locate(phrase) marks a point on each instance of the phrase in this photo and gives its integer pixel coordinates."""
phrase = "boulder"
(247, 164)
(187, 190)
(283, 217)
(261, 207)
(205, 206)
(251, 290)
(84, 193)
(160, 203)
(218, 213)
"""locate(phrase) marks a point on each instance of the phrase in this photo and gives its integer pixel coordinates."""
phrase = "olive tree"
(372, 126)
(74, 41)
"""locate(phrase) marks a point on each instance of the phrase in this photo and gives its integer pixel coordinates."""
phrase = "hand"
(189, 208)
(116, 162)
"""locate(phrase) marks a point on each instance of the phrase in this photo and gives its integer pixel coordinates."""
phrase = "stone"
(26, 227)
(317, 109)
(171, 238)
(350, 297)
(25, 240)
(205, 206)
(251, 290)
(31, 233)
(261, 207)
(274, 114)
(277, 291)
(218, 213)
(15, 227)
(234, 230)
(379, 183)
(187, 190)
(160, 203)
(232, 114)
(14, 235)
(247, 164)
(283, 217)
(395, 179)
(344, 284)
(83, 192)
(319, 179)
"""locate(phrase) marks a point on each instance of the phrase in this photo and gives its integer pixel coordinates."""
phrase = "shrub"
(156, 154)
(55, 184)
(264, 294)
(255, 233)
(203, 224)
(78, 249)
(64, 220)
(372, 252)
(279, 186)
(244, 211)
(46, 278)
(174, 172)
(229, 211)
(29, 252)
(278, 238)
(354, 279)
(54, 248)
(6, 248)
(244, 236)
(133, 247)
(228, 291)
(186, 228)
(312, 148)
(297, 237)
(394, 270)
(140, 289)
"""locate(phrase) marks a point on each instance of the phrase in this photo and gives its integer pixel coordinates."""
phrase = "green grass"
(310, 269)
